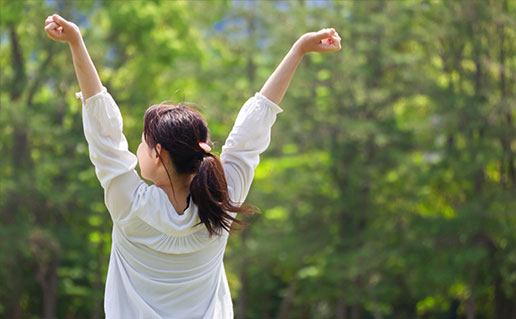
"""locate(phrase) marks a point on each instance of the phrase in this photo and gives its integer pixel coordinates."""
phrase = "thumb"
(59, 20)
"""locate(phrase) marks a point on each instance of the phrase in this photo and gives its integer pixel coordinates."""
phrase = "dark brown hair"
(179, 129)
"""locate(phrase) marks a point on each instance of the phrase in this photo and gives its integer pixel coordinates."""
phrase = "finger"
(59, 20)
(323, 34)
(51, 26)
(331, 40)
(337, 43)
(51, 33)
(48, 20)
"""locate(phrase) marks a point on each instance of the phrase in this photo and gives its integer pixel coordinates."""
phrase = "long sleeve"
(249, 138)
(109, 153)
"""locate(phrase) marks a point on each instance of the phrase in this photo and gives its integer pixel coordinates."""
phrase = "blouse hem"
(273, 105)
(79, 95)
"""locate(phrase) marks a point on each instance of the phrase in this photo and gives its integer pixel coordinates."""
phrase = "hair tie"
(205, 147)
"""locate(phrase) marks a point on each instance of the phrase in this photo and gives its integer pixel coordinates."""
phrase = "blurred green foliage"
(389, 188)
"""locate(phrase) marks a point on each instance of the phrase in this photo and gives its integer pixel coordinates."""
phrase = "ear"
(156, 152)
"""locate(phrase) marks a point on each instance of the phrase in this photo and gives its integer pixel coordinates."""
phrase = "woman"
(169, 238)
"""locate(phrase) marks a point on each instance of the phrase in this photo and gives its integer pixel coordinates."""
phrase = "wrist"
(75, 36)
(75, 41)
(297, 48)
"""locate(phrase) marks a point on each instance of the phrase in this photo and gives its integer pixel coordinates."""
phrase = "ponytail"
(209, 192)
(183, 133)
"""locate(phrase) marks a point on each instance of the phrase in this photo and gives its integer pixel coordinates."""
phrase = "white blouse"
(162, 265)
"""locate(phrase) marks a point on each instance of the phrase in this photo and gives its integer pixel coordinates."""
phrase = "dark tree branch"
(18, 82)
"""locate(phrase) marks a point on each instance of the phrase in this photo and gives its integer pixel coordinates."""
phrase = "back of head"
(179, 130)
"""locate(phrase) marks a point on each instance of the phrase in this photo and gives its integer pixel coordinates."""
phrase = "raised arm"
(251, 133)
(59, 29)
(103, 127)
(325, 40)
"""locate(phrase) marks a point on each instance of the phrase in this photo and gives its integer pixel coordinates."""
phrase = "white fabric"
(162, 265)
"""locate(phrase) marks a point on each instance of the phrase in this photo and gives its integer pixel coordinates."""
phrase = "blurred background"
(389, 188)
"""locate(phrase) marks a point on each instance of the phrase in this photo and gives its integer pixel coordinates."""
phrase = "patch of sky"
(247, 4)
(319, 3)
(239, 31)
(58, 5)
(111, 57)
(222, 25)
(33, 56)
(282, 5)
(345, 12)
(4, 37)
(80, 17)
(432, 157)
(264, 42)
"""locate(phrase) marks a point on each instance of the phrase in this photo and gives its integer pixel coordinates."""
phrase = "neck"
(180, 184)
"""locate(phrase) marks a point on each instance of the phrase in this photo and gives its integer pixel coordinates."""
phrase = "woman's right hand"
(59, 29)
(325, 40)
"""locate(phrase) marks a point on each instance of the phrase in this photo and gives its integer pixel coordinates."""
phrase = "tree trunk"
(503, 306)
(18, 83)
(46, 251)
(452, 311)
(341, 311)
(355, 310)
(98, 310)
(507, 140)
(286, 302)
(470, 308)
(49, 287)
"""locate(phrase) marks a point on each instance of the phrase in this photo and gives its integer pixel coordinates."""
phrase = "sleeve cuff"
(78, 95)
(271, 104)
